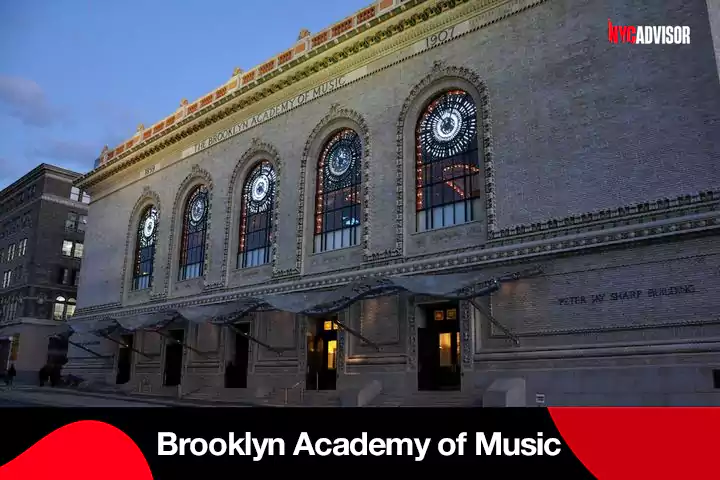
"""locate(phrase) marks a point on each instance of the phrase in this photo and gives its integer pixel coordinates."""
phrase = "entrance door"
(57, 351)
(322, 356)
(237, 370)
(4, 355)
(173, 358)
(439, 349)
(124, 365)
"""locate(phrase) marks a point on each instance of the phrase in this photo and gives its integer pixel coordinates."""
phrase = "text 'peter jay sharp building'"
(288, 229)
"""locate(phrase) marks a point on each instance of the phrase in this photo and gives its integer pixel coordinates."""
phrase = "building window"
(145, 242)
(76, 222)
(9, 308)
(67, 248)
(7, 278)
(71, 222)
(64, 276)
(79, 195)
(337, 200)
(11, 252)
(72, 249)
(76, 277)
(256, 216)
(18, 274)
(26, 221)
(63, 309)
(2, 255)
(192, 253)
(447, 162)
(22, 247)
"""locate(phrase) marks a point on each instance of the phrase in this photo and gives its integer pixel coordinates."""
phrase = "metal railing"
(300, 384)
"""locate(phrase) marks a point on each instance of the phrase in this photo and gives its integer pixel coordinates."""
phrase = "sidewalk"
(49, 396)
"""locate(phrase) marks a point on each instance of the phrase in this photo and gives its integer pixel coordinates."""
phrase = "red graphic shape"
(618, 443)
(86, 450)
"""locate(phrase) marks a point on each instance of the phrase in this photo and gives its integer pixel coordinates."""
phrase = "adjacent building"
(43, 218)
(429, 202)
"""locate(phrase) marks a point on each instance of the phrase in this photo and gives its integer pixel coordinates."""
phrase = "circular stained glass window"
(149, 227)
(197, 211)
(342, 154)
(449, 125)
(259, 189)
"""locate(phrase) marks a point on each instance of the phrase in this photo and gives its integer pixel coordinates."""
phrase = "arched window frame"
(257, 216)
(338, 202)
(145, 248)
(194, 234)
(448, 177)
(63, 308)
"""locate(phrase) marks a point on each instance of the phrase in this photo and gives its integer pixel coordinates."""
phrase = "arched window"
(192, 253)
(63, 309)
(256, 216)
(145, 242)
(447, 162)
(337, 202)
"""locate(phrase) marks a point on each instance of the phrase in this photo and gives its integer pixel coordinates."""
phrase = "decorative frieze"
(118, 159)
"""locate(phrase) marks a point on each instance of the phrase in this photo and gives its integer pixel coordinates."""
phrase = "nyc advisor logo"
(648, 35)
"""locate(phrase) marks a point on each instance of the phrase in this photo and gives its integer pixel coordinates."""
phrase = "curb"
(132, 398)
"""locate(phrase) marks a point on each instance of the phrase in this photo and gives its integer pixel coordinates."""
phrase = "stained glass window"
(256, 216)
(192, 253)
(447, 162)
(337, 202)
(145, 242)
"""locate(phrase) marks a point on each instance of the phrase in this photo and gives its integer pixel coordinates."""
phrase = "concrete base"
(506, 392)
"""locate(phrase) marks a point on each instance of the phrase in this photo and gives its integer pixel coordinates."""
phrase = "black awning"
(459, 286)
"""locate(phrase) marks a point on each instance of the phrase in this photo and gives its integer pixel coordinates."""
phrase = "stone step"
(426, 399)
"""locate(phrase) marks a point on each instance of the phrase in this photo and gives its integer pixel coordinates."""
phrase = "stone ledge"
(602, 350)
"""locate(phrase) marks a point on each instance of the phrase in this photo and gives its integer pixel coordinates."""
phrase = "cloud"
(26, 100)
(78, 156)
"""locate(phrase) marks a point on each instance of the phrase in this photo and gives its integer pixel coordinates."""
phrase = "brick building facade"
(42, 227)
(413, 139)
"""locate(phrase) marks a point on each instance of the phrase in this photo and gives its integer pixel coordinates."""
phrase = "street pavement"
(14, 402)
(20, 397)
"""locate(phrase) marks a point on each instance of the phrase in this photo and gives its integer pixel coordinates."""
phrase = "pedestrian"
(11, 374)
(44, 374)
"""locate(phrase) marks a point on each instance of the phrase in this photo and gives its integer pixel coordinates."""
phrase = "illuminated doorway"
(439, 348)
(322, 344)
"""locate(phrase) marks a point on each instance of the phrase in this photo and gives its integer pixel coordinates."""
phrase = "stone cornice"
(403, 24)
(469, 259)
(63, 201)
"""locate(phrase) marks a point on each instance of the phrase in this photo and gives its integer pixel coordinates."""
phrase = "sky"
(76, 75)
